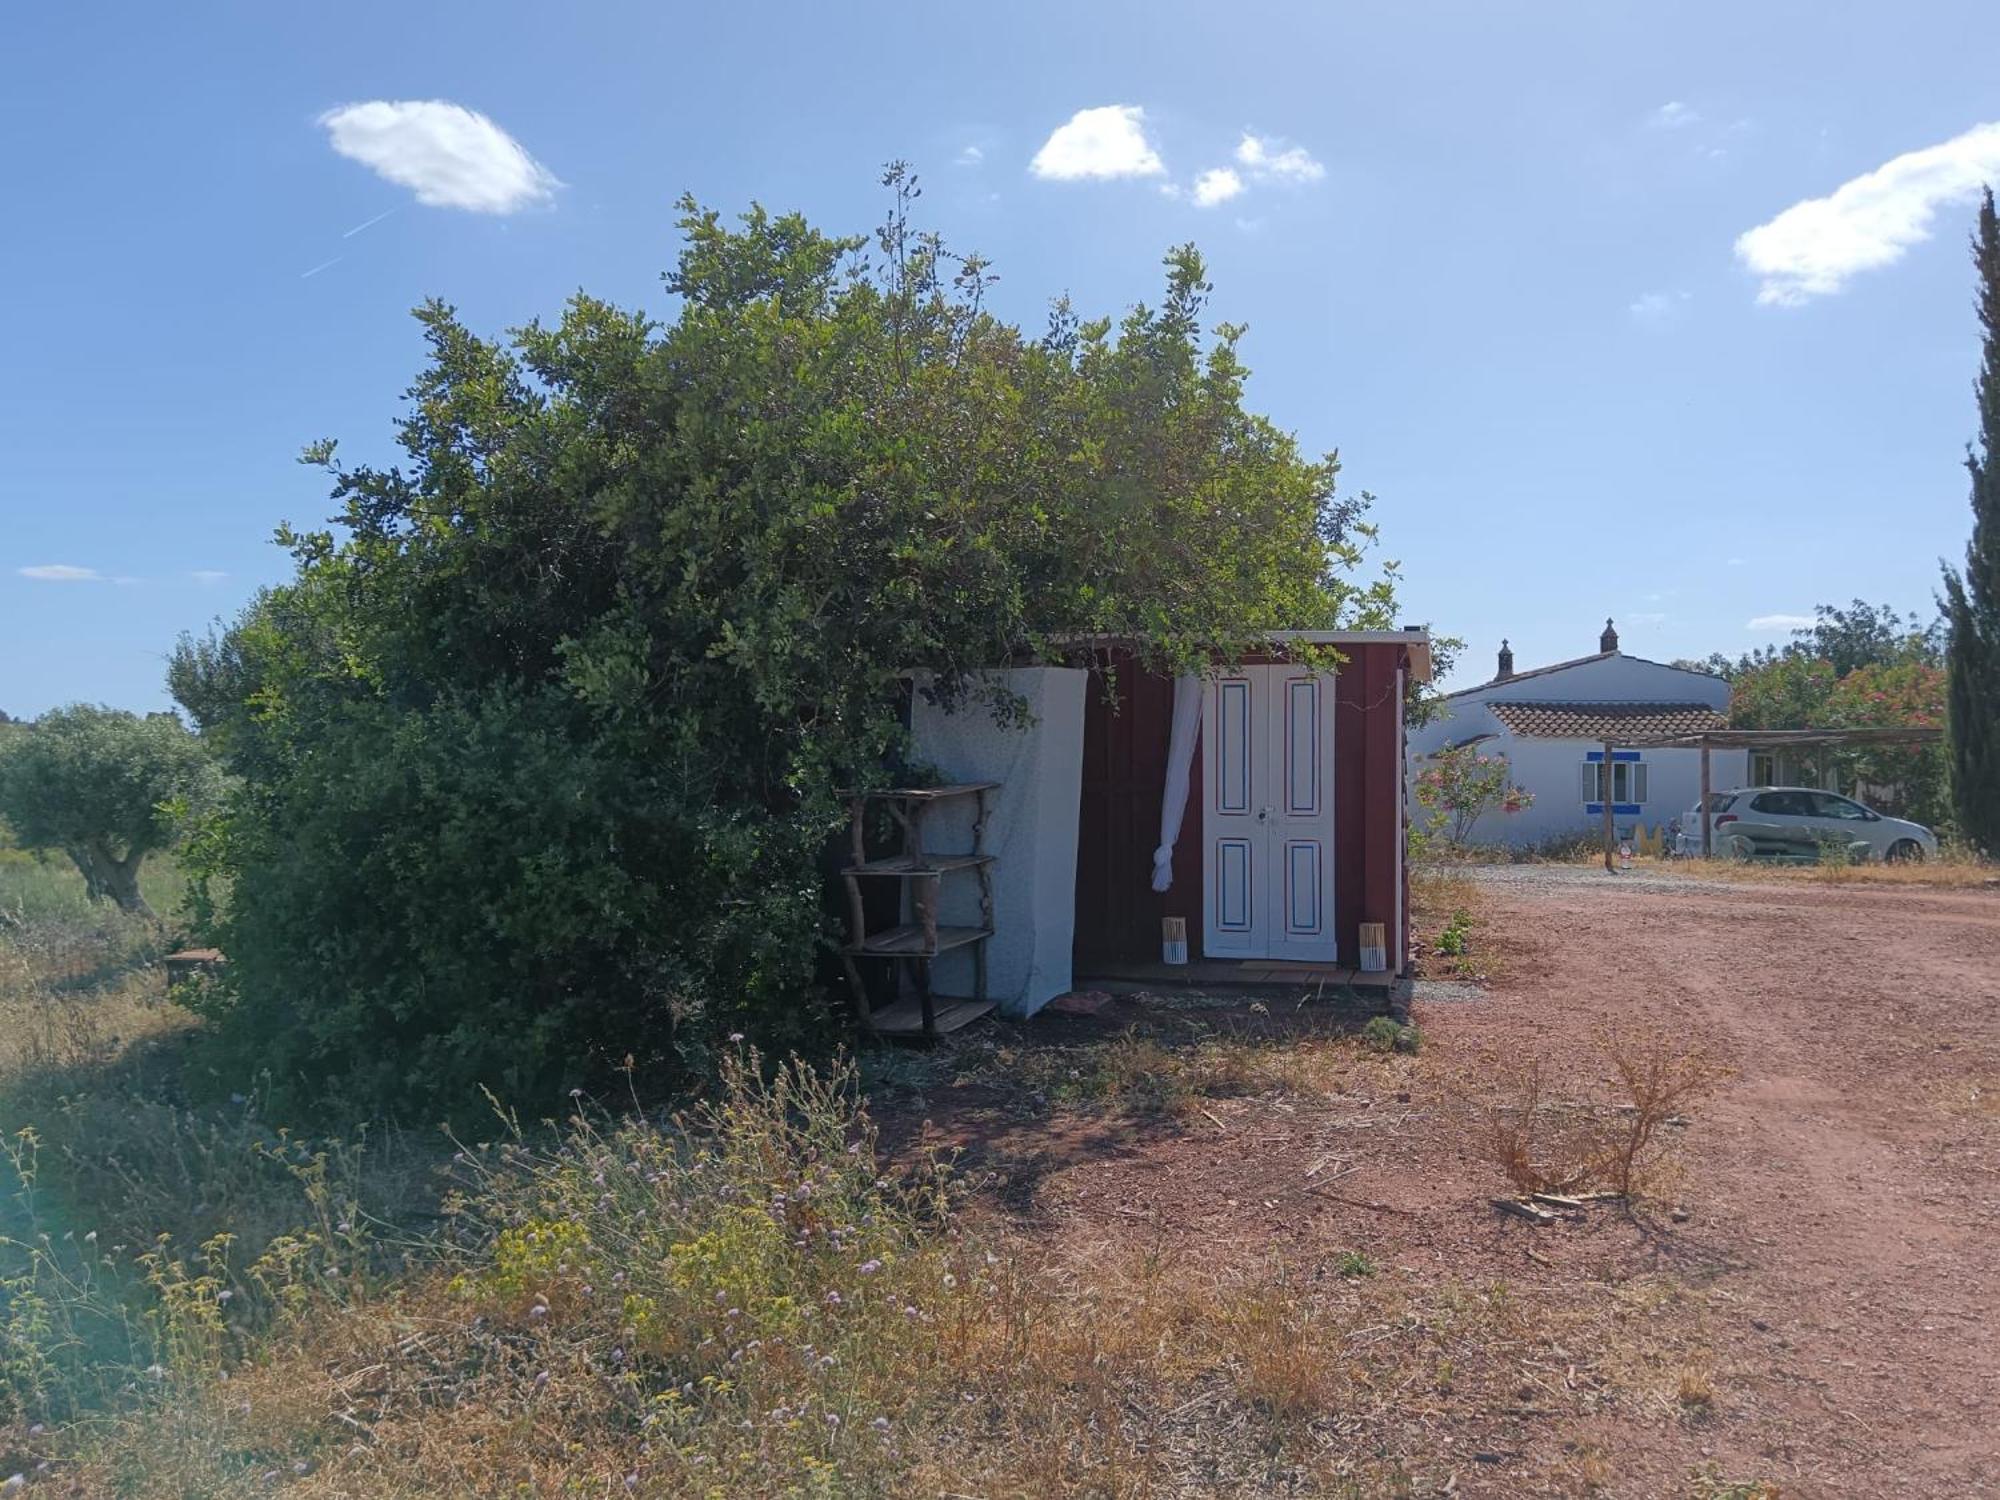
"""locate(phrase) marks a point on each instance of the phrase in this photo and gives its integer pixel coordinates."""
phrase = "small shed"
(1259, 806)
(1291, 827)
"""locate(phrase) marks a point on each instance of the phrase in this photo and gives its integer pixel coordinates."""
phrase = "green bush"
(538, 760)
(1387, 1034)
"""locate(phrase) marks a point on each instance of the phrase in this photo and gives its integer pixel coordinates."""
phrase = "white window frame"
(1591, 782)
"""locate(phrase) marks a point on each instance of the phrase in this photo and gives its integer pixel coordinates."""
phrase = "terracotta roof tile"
(1597, 721)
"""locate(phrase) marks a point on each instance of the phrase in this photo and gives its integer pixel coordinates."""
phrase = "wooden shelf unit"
(921, 875)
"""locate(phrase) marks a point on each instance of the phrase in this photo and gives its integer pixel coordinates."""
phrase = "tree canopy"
(539, 746)
(1859, 666)
(106, 787)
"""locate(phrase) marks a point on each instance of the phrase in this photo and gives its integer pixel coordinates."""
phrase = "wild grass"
(1450, 931)
(45, 888)
(746, 1300)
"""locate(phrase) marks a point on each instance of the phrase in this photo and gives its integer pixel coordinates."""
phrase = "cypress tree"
(1972, 598)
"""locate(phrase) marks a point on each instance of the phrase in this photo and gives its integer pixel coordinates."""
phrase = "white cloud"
(1657, 307)
(208, 575)
(1269, 159)
(1216, 186)
(1782, 622)
(1673, 115)
(449, 156)
(1813, 247)
(971, 156)
(61, 573)
(1109, 141)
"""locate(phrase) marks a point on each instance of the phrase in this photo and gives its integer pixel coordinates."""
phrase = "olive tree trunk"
(107, 877)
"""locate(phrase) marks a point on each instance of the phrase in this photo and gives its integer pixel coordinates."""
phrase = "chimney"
(1609, 640)
(1506, 663)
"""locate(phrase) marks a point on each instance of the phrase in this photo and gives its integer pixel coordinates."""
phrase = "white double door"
(1267, 825)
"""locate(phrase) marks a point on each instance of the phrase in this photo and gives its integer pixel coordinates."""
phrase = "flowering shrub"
(1460, 784)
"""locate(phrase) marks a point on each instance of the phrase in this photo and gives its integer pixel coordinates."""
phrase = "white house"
(1550, 724)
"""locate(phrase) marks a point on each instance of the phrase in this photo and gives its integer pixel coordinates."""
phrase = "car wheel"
(1740, 849)
(1905, 852)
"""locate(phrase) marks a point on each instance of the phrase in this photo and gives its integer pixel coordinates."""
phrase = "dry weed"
(1547, 1145)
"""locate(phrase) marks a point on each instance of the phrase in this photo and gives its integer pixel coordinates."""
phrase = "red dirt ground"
(1839, 1191)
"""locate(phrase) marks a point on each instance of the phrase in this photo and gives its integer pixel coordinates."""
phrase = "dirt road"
(1809, 1298)
(1844, 1185)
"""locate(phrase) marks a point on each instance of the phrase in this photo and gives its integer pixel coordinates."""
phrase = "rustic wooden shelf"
(919, 937)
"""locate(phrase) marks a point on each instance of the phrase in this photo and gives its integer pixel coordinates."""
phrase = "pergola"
(1748, 739)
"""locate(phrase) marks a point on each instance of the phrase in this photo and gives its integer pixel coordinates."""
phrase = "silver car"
(1799, 822)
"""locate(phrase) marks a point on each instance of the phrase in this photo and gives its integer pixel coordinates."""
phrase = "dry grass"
(745, 1301)
(1952, 870)
(1174, 1060)
(1450, 928)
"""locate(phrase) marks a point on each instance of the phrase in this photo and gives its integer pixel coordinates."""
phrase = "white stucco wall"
(1031, 831)
(1550, 768)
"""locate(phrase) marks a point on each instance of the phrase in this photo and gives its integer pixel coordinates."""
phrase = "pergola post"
(1707, 823)
(1605, 789)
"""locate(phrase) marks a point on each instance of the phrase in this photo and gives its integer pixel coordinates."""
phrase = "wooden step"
(906, 1017)
(907, 941)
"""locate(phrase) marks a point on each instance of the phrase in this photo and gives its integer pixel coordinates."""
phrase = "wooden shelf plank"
(907, 941)
(906, 1017)
(923, 793)
(907, 865)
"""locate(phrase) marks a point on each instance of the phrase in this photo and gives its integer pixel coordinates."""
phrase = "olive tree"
(105, 787)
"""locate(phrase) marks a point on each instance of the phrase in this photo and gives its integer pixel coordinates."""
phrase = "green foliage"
(1453, 941)
(1460, 784)
(538, 757)
(1859, 635)
(1387, 1034)
(1788, 692)
(1861, 667)
(1972, 597)
(107, 788)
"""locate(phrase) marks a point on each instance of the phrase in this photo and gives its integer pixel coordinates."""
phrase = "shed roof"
(1605, 721)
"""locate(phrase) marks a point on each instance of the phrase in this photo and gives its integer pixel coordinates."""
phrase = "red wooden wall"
(1124, 772)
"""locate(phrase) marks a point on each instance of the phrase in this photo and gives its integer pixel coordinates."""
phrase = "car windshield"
(1719, 801)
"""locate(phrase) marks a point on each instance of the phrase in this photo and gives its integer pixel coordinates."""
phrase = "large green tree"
(1972, 598)
(539, 749)
(107, 788)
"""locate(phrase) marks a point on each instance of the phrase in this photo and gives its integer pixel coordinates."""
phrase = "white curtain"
(1180, 759)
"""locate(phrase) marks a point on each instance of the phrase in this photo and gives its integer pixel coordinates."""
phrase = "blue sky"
(1492, 252)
